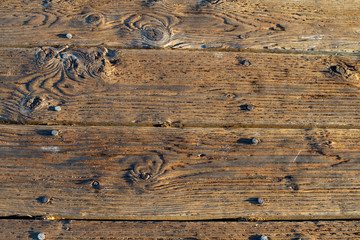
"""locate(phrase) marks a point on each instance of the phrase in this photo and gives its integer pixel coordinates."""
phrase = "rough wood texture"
(191, 88)
(29, 229)
(322, 25)
(134, 173)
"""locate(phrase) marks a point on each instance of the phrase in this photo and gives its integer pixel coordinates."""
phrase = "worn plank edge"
(73, 229)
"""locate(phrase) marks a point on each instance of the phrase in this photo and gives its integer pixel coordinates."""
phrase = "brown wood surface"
(132, 173)
(307, 25)
(174, 88)
(70, 229)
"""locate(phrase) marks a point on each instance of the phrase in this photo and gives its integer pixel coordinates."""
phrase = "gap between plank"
(90, 124)
(245, 50)
(47, 218)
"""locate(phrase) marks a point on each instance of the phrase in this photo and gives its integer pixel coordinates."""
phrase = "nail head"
(57, 108)
(41, 236)
(260, 200)
(54, 132)
(249, 107)
(44, 199)
(263, 238)
(246, 63)
(69, 35)
(255, 141)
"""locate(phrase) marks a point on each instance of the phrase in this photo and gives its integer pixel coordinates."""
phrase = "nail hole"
(95, 184)
(248, 140)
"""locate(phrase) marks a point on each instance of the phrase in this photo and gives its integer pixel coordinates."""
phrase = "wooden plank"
(176, 88)
(131, 173)
(70, 229)
(306, 25)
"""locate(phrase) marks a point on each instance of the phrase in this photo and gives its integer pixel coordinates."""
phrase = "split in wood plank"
(70, 229)
(175, 88)
(130, 173)
(305, 25)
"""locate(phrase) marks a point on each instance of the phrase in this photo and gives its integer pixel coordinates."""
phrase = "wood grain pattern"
(131, 173)
(178, 88)
(305, 25)
(66, 229)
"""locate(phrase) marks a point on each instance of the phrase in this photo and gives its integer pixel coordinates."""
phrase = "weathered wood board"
(70, 229)
(102, 86)
(132, 173)
(307, 25)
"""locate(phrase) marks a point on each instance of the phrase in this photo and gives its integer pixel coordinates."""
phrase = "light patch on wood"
(51, 149)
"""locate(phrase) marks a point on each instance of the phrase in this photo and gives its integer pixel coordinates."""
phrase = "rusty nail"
(41, 236)
(255, 141)
(57, 108)
(69, 35)
(54, 132)
(263, 238)
(44, 199)
(260, 201)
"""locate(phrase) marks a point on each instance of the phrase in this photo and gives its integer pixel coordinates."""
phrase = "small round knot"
(145, 176)
(93, 18)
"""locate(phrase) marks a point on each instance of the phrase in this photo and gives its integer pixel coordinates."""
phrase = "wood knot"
(95, 19)
(278, 27)
(155, 30)
(176, 124)
(72, 66)
(206, 3)
(153, 34)
(146, 170)
(33, 103)
(346, 72)
(45, 56)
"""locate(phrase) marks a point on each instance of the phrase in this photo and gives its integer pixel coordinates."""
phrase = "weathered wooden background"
(164, 119)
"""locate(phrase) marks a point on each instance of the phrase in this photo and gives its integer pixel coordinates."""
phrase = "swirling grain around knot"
(66, 68)
(154, 30)
(146, 170)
